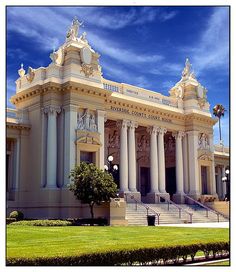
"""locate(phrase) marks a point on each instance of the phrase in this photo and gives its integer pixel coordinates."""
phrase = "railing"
(205, 207)
(140, 203)
(178, 207)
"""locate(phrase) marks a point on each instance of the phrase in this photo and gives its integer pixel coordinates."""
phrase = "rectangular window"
(88, 157)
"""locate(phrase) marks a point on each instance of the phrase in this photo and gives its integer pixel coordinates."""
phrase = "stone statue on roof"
(73, 31)
(187, 69)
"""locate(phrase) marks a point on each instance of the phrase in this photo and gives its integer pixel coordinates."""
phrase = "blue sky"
(143, 46)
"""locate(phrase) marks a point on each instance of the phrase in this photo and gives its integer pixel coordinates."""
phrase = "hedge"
(145, 256)
(44, 223)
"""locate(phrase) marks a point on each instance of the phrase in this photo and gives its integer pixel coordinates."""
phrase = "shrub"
(18, 215)
(44, 223)
(162, 255)
(10, 220)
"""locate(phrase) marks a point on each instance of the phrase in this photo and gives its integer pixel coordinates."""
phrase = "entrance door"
(144, 180)
(170, 181)
(204, 179)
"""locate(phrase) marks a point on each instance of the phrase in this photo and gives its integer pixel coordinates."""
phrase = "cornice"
(144, 108)
(18, 126)
(56, 87)
(200, 118)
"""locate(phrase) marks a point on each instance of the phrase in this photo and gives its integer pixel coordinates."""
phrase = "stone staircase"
(139, 216)
(220, 206)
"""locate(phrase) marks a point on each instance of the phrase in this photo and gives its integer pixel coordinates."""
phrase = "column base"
(153, 197)
(195, 196)
(179, 198)
(163, 197)
(130, 197)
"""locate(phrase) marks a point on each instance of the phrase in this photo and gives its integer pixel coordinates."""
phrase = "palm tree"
(219, 111)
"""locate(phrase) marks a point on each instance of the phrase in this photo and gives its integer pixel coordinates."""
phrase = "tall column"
(161, 160)
(179, 162)
(223, 183)
(43, 147)
(52, 146)
(69, 140)
(132, 156)
(153, 160)
(212, 176)
(185, 163)
(123, 156)
(219, 183)
(100, 122)
(194, 185)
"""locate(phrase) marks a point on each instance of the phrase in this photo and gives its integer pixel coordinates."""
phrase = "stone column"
(212, 168)
(161, 161)
(223, 183)
(69, 140)
(100, 122)
(185, 163)
(152, 196)
(219, 183)
(123, 156)
(52, 112)
(132, 156)
(194, 185)
(43, 147)
(178, 197)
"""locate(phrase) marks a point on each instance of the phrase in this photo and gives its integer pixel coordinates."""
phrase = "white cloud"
(165, 16)
(168, 69)
(211, 51)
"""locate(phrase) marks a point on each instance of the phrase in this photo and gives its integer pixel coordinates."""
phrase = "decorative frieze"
(86, 121)
(203, 141)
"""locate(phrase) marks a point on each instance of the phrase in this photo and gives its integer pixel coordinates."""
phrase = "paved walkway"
(199, 225)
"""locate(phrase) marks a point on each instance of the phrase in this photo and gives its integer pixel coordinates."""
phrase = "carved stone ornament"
(203, 141)
(21, 71)
(73, 31)
(86, 55)
(87, 70)
(86, 121)
(114, 140)
(58, 56)
(89, 138)
(205, 157)
(30, 75)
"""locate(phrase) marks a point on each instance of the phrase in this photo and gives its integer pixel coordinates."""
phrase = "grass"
(219, 263)
(28, 241)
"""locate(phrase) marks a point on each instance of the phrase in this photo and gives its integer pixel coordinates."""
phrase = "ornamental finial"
(21, 71)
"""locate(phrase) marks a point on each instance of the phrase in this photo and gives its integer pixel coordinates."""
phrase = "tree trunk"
(91, 209)
(220, 129)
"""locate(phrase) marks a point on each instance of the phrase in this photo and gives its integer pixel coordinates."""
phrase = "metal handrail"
(177, 206)
(140, 203)
(205, 207)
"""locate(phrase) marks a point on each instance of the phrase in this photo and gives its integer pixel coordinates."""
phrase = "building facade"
(68, 112)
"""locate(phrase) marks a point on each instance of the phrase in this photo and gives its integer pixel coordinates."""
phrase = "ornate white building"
(68, 112)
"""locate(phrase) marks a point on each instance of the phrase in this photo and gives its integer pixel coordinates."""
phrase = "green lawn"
(27, 241)
(219, 263)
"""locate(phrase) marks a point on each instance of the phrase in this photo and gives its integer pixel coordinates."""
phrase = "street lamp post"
(110, 167)
(226, 179)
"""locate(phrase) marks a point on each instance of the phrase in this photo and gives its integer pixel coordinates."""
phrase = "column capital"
(133, 124)
(152, 130)
(192, 133)
(122, 123)
(178, 134)
(70, 108)
(52, 109)
(161, 130)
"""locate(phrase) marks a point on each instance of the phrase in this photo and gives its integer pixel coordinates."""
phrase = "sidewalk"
(199, 225)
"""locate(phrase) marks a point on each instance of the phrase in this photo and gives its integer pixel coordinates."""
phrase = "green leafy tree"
(92, 185)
